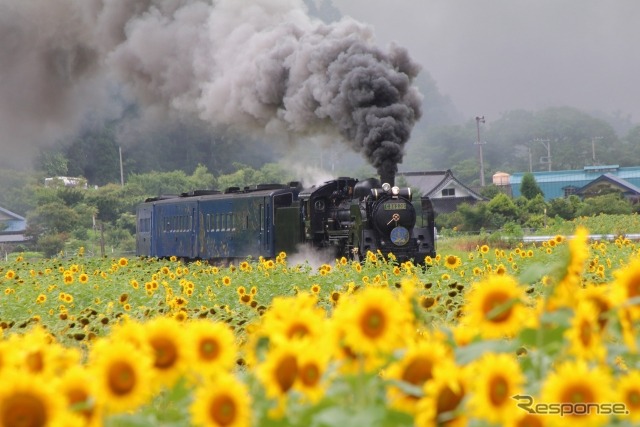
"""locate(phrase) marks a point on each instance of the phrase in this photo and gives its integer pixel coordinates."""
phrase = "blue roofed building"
(586, 182)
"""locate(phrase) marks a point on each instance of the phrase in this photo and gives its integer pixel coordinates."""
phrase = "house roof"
(623, 184)
(14, 222)
(432, 182)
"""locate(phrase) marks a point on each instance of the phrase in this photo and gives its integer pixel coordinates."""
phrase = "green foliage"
(17, 190)
(51, 244)
(501, 210)
(490, 191)
(108, 201)
(564, 207)
(450, 220)
(53, 163)
(71, 196)
(475, 216)
(53, 218)
(244, 176)
(612, 203)
(158, 183)
(529, 187)
(536, 205)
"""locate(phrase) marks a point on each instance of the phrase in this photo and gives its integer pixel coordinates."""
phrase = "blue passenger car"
(212, 225)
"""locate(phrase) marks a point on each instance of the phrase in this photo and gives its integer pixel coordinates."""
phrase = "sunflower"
(629, 334)
(443, 399)
(484, 249)
(164, 336)
(9, 354)
(294, 318)
(28, 401)
(584, 335)
(79, 390)
(628, 391)
(626, 285)
(83, 278)
(374, 320)
(121, 372)
(452, 261)
(38, 353)
(495, 306)
(500, 269)
(573, 382)
(497, 377)
(131, 332)
(123, 262)
(210, 347)
(566, 290)
(10, 274)
(279, 371)
(221, 402)
(334, 297)
(600, 297)
(415, 368)
(312, 367)
(226, 280)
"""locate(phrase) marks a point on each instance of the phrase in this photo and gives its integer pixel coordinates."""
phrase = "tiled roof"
(14, 222)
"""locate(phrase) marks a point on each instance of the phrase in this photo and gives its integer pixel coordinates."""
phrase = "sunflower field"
(534, 335)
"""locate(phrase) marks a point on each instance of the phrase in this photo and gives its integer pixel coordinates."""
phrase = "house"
(609, 183)
(556, 184)
(12, 227)
(445, 191)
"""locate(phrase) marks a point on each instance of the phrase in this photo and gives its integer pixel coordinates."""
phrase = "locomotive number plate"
(394, 206)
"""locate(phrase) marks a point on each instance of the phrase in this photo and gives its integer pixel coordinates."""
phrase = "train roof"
(260, 190)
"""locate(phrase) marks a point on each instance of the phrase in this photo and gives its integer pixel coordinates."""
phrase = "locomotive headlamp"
(395, 191)
(386, 186)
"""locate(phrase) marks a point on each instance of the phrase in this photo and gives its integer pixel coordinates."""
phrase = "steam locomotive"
(346, 216)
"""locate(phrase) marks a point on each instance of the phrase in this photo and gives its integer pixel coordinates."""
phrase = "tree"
(53, 163)
(564, 207)
(475, 216)
(501, 210)
(612, 203)
(529, 187)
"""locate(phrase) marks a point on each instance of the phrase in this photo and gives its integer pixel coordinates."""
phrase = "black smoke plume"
(260, 65)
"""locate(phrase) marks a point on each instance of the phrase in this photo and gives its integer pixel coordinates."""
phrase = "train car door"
(193, 226)
(144, 229)
(268, 226)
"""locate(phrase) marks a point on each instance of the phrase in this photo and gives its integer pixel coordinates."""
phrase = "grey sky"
(492, 56)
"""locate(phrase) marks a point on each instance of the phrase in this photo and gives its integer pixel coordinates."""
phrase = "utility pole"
(593, 148)
(121, 170)
(547, 144)
(480, 119)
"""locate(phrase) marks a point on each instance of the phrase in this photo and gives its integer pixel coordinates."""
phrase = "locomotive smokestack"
(388, 178)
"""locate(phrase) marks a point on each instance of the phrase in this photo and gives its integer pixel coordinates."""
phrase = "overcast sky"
(492, 56)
